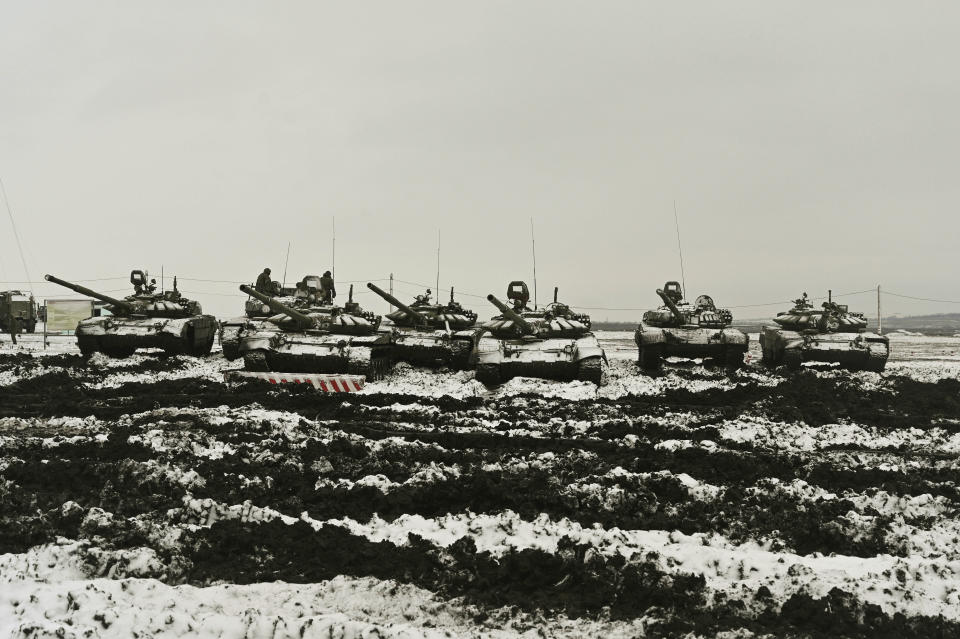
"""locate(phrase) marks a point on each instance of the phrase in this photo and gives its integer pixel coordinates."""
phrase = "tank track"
(590, 370)
(374, 364)
(651, 357)
(792, 359)
(489, 374)
(876, 358)
(733, 358)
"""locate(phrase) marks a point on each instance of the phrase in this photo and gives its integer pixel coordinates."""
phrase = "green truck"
(17, 306)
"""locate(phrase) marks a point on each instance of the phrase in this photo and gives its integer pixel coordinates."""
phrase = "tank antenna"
(333, 248)
(438, 263)
(285, 263)
(16, 234)
(676, 221)
(533, 248)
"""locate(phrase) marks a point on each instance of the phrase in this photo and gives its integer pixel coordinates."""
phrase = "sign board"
(64, 315)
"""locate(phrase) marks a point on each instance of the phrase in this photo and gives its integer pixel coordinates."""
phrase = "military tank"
(830, 334)
(681, 329)
(146, 319)
(551, 343)
(256, 312)
(316, 339)
(432, 334)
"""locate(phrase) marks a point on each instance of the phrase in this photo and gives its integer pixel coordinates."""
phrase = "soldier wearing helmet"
(327, 289)
(264, 283)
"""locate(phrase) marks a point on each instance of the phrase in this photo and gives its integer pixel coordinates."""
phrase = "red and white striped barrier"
(325, 383)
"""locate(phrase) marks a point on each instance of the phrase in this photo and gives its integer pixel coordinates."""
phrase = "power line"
(16, 234)
(923, 299)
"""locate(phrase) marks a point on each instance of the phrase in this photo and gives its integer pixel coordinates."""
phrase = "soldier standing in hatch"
(327, 290)
(264, 283)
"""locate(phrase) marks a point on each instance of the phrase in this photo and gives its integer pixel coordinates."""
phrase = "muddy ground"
(821, 503)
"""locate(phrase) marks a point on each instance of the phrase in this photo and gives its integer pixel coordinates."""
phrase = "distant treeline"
(941, 324)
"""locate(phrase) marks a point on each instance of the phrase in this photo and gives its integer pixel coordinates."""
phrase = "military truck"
(430, 334)
(21, 308)
(830, 334)
(681, 329)
(146, 319)
(551, 343)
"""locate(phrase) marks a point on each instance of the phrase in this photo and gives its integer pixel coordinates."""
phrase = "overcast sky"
(808, 146)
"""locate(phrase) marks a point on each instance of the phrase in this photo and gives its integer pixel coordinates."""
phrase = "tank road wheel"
(733, 358)
(651, 357)
(590, 370)
(792, 359)
(489, 374)
(256, 361)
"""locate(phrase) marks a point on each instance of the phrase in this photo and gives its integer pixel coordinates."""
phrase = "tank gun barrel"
(512, 314)
(673, 307)
(275, 306)
(409, 312)
(83, 290)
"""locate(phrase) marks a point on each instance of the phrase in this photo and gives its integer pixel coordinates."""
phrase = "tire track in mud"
(121, 482)
(257, 464)
(803, 397)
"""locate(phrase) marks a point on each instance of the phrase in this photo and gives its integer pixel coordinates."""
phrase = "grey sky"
(808, 145)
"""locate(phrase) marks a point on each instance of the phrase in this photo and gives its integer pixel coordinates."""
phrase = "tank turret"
(303, 320)
(830, 318)
(671, 305)
(415, 317)
(120, 305)
(832, 334)
(525, 327)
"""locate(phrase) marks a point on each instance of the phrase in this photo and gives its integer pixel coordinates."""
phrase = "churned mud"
(821, 503)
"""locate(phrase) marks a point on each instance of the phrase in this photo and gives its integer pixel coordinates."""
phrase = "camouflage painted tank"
(831, 334)
(256, 313)
(316, 339)
(430, 334)
(552, 343)
(681, 329)
(145, 319)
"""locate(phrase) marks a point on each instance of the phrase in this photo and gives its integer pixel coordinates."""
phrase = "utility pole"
(879, 313)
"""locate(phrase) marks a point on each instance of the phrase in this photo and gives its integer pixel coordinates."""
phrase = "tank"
(831, 334)
(256, 313)
(432, 334)
(681, 329)
(19, 307)
(316, 338)
(551, 343)
(146, 319)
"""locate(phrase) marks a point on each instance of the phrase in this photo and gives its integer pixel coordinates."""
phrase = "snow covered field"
(147, 496)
